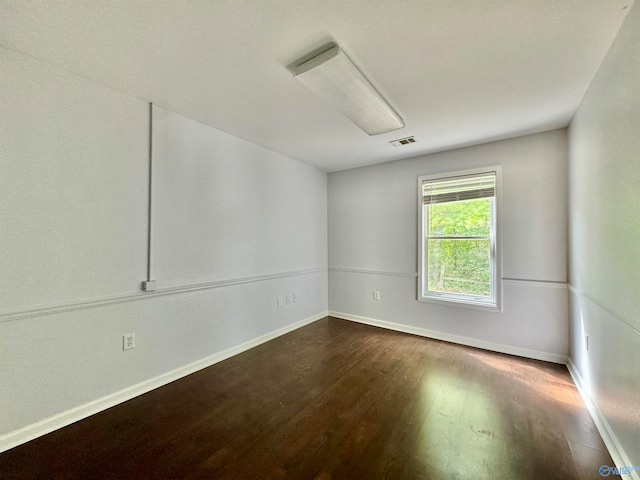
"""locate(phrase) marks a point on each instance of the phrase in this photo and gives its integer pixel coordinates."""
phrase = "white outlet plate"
(295, 298)
(280, 302)
(288, 299)
(128, 341)
(376, 295)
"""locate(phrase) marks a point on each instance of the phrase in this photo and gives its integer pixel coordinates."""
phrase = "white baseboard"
(609, 438)
(48, 425)
(471, 342)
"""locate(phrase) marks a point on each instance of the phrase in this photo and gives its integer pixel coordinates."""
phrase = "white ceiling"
(460, 72)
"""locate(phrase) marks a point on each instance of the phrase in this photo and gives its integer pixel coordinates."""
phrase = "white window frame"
(494, 302)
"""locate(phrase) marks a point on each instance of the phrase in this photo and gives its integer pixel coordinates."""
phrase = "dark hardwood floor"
(336, 400)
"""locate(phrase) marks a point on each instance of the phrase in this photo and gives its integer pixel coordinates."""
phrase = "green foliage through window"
(459, 265)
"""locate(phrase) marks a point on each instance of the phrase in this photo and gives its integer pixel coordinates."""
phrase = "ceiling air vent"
(401, 142)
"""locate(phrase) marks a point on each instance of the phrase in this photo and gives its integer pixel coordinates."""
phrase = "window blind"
(459, 188)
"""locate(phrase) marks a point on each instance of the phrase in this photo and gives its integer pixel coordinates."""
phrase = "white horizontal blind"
(456, 189)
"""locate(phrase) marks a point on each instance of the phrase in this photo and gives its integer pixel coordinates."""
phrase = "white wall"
(373, 245)
(228, 222)
(73, 202)
(247, 210)
(604, 161)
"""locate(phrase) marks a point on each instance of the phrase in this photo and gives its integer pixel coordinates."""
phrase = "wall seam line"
(132, 297)
(374, 272)
(548, 283)
(615, 315)
(150, 186)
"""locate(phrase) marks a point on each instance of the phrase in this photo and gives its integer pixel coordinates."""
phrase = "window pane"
(469, 218)
(460, 266)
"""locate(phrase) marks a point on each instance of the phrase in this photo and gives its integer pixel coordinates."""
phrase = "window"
(458, 242)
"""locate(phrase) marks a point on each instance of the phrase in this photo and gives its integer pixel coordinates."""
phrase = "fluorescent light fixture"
(334, 77)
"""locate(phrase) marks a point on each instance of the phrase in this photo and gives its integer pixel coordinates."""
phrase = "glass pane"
(460, 266)
(469, 218)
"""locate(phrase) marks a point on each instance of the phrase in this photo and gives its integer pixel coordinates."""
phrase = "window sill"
(460, 302)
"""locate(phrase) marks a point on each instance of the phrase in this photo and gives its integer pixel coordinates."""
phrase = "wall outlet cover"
(128, 341)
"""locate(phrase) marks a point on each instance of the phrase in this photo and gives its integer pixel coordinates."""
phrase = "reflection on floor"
(338, 400)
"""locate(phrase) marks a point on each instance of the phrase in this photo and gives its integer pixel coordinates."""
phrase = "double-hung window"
(459, 256)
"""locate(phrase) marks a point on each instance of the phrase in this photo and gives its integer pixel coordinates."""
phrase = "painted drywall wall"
(604, 166)
(373, 242)
(244, 217)
(72, 203)
(73, 246)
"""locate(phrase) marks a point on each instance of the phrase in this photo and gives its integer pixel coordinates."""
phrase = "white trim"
(613, 314)
(536, 283)
(447, 337)
(495, 300)
(516, 281)
(609, 438)
(374, 272)
(48, 425)
(459, 301)
(100, 302)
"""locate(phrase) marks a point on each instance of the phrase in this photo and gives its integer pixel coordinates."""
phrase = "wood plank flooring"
(336, 400)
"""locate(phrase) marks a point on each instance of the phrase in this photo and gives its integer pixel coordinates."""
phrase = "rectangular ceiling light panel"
(334, 77)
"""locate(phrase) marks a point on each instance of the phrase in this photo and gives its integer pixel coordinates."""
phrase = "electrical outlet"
(376, 295)
(128, 341)
(288, 299)
(586, 342)
(280, 302)
(295, 298)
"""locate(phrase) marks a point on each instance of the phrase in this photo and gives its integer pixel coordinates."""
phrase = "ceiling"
(460, 72)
